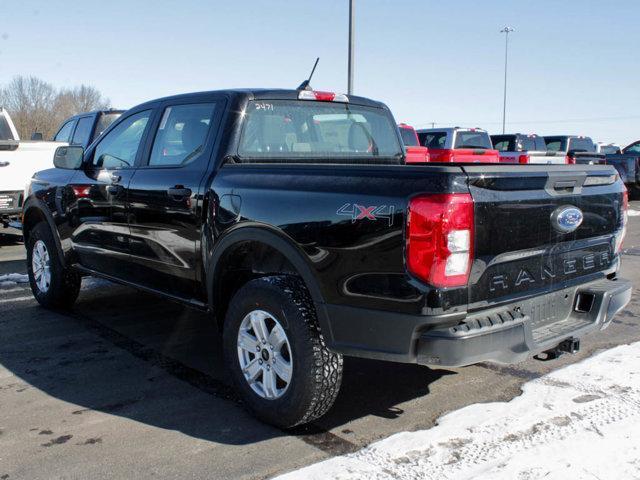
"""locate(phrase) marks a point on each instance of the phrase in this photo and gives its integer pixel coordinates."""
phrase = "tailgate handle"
(567, 185)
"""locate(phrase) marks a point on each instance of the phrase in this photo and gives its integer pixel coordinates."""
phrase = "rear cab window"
(280, 130)
(504, 143)
(583, 144)
(472, 139)
(409, 137)
(104, 121)
(433, 140)
(556, 144)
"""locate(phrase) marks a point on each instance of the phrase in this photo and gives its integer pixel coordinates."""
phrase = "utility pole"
(506, 31)
(351, 48)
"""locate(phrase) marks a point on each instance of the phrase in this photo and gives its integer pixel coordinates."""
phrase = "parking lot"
(130, 386)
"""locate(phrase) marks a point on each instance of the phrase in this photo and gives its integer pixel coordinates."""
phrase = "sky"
(573, 64)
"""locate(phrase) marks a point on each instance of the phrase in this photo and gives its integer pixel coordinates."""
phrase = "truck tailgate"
(520, 211)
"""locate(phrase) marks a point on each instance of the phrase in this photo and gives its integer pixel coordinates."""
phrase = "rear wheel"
(53, 286)
(278, 360)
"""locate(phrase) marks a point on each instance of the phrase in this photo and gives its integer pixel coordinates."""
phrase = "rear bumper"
(506, 334)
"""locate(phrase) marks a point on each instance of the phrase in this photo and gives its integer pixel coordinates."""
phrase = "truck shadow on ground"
(130, 354)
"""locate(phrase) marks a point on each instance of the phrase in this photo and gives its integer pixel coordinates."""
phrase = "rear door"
(165, 196)
(520, 248)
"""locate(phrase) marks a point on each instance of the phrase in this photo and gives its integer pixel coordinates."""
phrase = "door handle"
(178, 193)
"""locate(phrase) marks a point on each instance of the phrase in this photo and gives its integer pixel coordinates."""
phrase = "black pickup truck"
(628, 165)
(577, 149)
(291, 217)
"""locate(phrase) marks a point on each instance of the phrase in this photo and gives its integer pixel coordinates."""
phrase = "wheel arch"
(34, 212)
(266, 251)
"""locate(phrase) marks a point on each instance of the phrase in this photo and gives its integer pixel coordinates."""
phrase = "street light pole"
(351, 48)
(506, 31)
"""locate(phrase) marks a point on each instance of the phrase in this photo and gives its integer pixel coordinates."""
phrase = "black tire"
(64, 286)
(316, 373)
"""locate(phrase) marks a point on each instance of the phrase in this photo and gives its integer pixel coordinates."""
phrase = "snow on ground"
(10, 280)
(633, 213)
(579, 422)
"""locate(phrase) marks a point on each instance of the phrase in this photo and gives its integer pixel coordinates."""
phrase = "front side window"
(282, 129)
(64, 133)
(119, 147)
(433, 139)
(471, 139)
(182, 133)
(83, 131)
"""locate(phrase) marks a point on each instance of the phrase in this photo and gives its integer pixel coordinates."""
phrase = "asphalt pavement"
(130, 386)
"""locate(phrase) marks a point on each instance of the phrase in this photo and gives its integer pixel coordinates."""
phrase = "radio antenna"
(306, 84)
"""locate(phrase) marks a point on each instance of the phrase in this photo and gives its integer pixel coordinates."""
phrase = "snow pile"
(633, 213)
(580, 422)
(10, 280)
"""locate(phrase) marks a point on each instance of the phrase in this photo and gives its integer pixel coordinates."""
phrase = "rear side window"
(471, 139)
(64, 133)
(582, 145)
(290, 129)
(409, 137)
(5, 131)
(182, 134)
(83, 131)
(433, 139)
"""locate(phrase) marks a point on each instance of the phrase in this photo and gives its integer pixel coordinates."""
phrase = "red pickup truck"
(414, 152)
(458, 145)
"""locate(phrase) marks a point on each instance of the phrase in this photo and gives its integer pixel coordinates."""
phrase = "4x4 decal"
(361, 212)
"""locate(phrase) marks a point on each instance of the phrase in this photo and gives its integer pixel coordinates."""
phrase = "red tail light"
(622, 231)
(81, 191)
(440, 238)
(569, 160)
(523, 159)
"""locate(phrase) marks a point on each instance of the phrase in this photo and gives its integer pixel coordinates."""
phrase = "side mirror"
(69, 158)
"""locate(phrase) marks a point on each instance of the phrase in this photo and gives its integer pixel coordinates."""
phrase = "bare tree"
(30, 102)
(84, 98)
(36, 106)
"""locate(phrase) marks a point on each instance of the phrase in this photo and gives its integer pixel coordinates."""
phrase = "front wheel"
(278, 360)
(53, 286)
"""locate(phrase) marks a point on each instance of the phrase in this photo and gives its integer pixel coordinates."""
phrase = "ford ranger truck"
(19, 160)
(525, 148)
(291, 217)
(414, 152)
(575, 148)
(458, 145)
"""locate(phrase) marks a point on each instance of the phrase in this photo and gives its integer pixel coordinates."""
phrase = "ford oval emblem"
(567, 219)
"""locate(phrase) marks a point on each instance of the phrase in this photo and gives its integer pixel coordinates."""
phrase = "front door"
(99, 217)
(165, 198)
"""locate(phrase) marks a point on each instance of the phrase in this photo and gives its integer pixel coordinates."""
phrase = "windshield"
(283, 129)
(5, 131)
(471, 139)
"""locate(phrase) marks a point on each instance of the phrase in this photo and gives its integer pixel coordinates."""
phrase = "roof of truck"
(93, 112)
(263, 94)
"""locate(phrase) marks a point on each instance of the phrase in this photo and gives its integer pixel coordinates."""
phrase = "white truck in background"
(20, 159)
